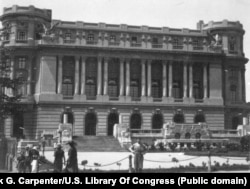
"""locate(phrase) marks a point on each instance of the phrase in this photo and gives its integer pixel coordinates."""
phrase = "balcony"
(197, 48)
(135, 45)
(69, 41)
(114, 44)
(21, 41)
(91, 42)
(178, 47)
(157, 46)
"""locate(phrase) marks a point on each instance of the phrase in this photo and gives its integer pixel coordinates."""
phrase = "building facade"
(94, 75)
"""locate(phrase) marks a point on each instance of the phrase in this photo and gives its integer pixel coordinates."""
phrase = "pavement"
(119, 160)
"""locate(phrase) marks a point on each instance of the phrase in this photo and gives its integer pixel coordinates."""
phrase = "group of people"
(27, 161)
(71, 165)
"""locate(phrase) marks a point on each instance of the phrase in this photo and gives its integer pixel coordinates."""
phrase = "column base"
(122, 98)
(170, 100)
(191, 100)
(128, 98)
(149, 99)
(143, 99)
(105, 98)
(215, 101)
(99, 98)
(186, 100)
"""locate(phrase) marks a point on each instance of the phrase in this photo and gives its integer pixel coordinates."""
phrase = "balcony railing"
(177, 46)
(21, 40)
(197, 48)
(91, 42)
(157, 46)
(135, 44)
(69, 41)
(114, 43)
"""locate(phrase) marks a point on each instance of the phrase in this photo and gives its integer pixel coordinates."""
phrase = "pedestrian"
(21, 162)
(72, 165)
(28, 157)
(138, 149)
(34, 159)
(43, 144)
(59, 159)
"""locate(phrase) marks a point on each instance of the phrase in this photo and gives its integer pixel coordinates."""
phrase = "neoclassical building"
(98, 74)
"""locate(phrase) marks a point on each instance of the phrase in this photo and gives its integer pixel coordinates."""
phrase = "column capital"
(143, 61)
(77, 57)
(99, 58)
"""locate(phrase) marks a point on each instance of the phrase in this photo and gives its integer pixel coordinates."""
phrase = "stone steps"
(98, 144)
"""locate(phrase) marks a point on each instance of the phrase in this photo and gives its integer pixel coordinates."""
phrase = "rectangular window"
(21, 36)
(21, 63)
(91, 39)
(197, 44)
(177, 43)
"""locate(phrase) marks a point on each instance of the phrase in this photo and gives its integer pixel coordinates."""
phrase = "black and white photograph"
(125, 86)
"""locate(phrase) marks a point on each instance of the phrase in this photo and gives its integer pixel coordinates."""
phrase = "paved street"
(152, 160)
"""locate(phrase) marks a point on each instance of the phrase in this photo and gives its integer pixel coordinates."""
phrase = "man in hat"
(138, 149)
(72, 165)
(59, 159)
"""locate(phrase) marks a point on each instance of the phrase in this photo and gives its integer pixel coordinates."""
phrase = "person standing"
(43, 144)
(28, 157)
(59, 159)
(72, 165)
(138, 149)
(21, 162)
(34, 160)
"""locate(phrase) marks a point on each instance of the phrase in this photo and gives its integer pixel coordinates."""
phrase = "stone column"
(185, 80)
(127, 77)
(205, 80)
(170, 79)
(149, 79)
(83, 75)
(240, 85)
(143, 78)
(243, 85)
(99, 76)
(77, 62)
(59, 79)
(121, 77)
(164, 79)
(105, 90)
(190, 80)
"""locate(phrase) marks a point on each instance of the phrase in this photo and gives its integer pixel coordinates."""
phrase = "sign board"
(65, 131)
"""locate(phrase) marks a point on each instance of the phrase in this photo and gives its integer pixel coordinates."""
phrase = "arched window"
(135, 121)
(178, 117)
(235, 122)
(157, 121)
(199, 117)
(18, 125)
(67, 117)
(113, 118)
(90, 123)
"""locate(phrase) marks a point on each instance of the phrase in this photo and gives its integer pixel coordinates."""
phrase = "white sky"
(158, 13)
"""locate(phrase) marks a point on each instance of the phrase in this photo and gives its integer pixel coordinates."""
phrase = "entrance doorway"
(90, 124)
(113, 118)
(18, 128)
(135, 121)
